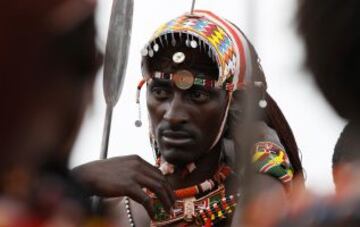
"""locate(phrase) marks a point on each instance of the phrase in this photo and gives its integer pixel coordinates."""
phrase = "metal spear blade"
(115, 61)
(117, 48)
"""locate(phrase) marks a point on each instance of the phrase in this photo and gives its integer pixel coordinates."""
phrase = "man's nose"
(176, 112)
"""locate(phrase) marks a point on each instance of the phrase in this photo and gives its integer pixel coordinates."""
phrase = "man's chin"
(177, 157)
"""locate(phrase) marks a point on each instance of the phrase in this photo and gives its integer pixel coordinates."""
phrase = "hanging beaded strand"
(128, 212)
(217, 211)
(138, 122)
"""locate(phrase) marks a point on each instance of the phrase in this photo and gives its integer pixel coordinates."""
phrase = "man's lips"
(176, 138)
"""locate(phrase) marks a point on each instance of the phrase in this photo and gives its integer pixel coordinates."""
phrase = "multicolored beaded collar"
(208, 210)
(204, 211)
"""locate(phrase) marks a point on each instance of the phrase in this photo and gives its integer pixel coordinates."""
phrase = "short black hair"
(347, 148)
(331, 32)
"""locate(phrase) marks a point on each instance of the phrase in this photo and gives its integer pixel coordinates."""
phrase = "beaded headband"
(184, 79)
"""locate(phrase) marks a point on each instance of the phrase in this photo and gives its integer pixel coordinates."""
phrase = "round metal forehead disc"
(179, 57)
(183, 79)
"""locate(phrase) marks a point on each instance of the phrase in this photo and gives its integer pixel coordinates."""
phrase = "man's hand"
(126, 176)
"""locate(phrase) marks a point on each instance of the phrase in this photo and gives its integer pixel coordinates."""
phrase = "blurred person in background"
(342, 208)
(331, 33)
(48, 65)
(346, 161)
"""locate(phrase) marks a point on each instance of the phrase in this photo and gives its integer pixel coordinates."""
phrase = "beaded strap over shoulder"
(271, 159)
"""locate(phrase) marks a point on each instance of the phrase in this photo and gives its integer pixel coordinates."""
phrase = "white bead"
(151, 53)
(191, 167)
(258, 83)
(156, 47)
(144, 52)
(194, 44)
(178, 57)
(263, 103)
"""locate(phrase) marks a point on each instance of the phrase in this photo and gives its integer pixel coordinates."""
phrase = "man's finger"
(155, 173)
(138, 195)
(160, 189)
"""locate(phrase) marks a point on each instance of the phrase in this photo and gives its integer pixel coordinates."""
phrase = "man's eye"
(160, 93)
(199, 96)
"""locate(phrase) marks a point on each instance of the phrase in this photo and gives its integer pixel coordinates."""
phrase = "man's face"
(185, 122)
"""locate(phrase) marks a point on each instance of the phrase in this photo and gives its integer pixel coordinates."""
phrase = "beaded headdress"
(221, 39)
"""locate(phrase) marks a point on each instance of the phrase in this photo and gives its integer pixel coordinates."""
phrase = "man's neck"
(205, 169)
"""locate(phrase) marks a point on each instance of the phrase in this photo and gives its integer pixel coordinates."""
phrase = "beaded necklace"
(219, 177)
(206, 211)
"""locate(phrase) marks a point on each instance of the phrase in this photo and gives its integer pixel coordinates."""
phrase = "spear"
(192, 6)
(115, 61)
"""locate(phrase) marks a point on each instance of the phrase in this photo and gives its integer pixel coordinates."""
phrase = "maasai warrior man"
(198, 70)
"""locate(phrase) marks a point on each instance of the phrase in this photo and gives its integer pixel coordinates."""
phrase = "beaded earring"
(138, 122)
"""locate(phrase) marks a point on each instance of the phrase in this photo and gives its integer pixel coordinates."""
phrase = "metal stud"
(151, 53)
(178, 57)
(144, 52)
(166, 40)
(180, 37)
(187, 42)
(161, 41)
(173, 40)
(183, 79)
(194, 44)
(156, 47)
(204, 45)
